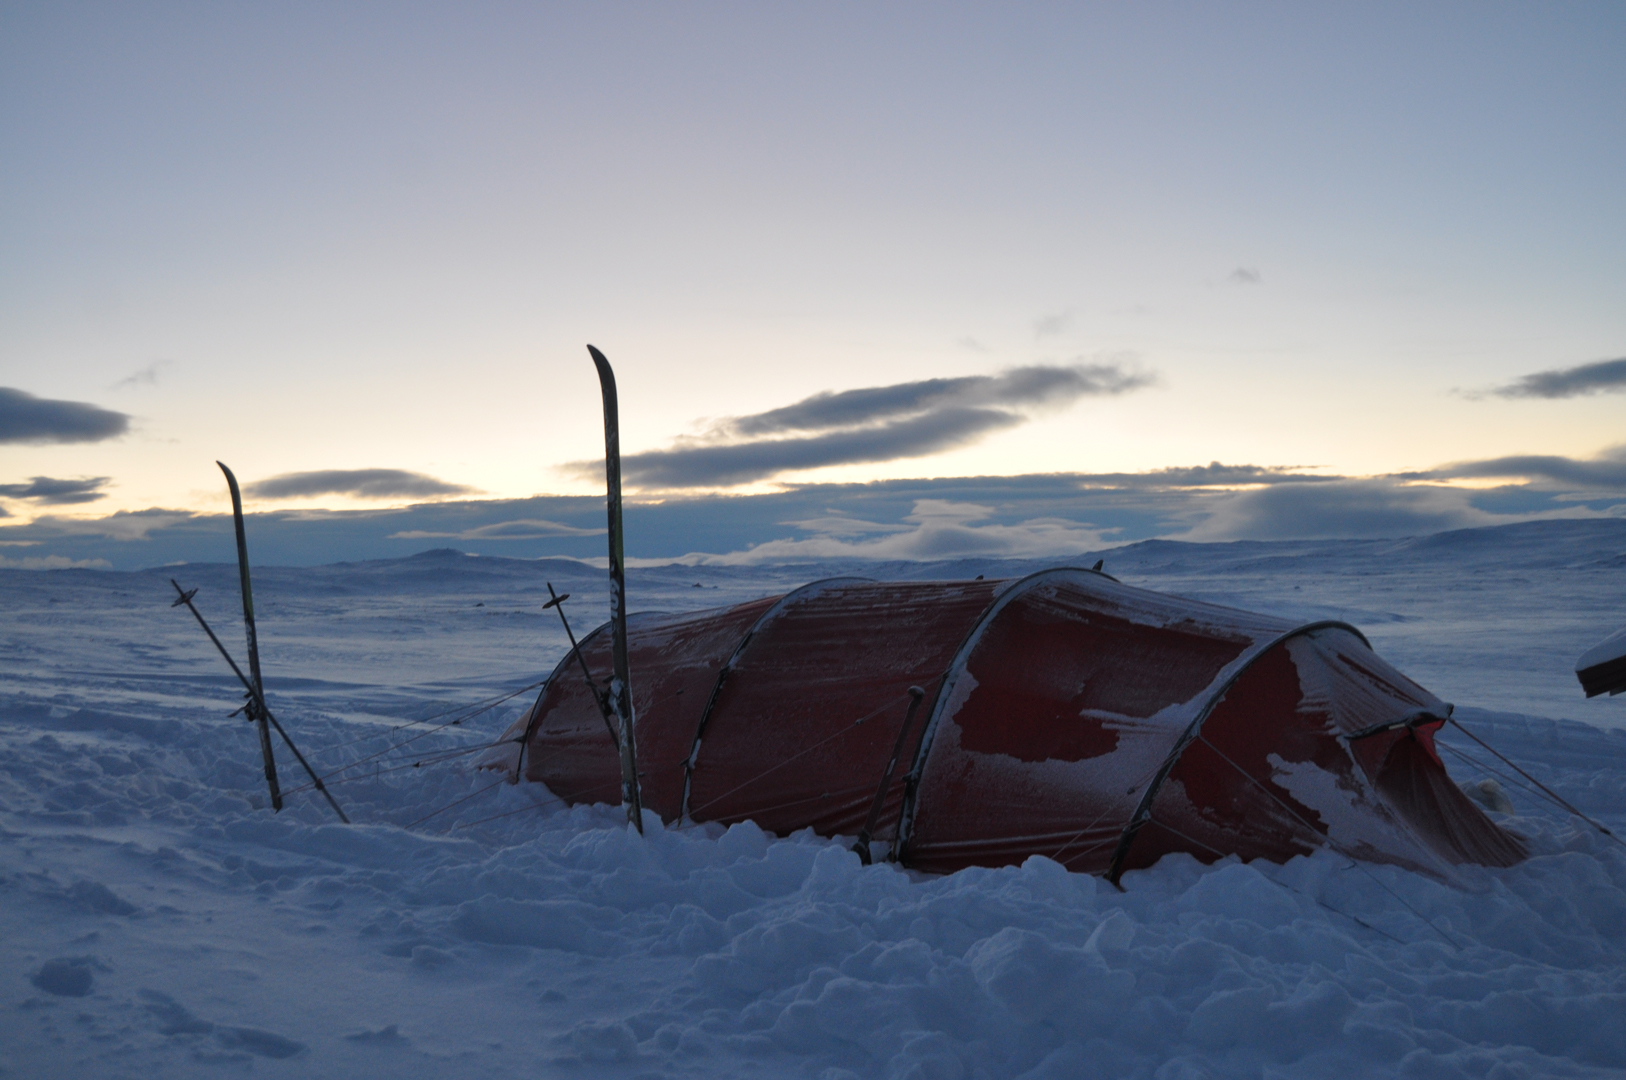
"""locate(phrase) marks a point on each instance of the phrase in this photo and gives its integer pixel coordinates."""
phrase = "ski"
(620, 683)
(257, 687)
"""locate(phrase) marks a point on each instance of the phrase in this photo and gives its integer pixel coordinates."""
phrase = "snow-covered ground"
(157, 920)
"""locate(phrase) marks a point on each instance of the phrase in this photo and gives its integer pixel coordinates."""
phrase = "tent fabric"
(1065, 714)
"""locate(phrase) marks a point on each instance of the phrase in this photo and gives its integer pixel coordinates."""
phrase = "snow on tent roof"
(1065, 714)
(1602, 668)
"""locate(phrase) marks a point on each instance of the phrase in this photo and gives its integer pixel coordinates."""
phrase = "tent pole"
(620, 683)
(867, 833)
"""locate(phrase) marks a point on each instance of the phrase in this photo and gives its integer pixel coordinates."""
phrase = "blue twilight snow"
(157, 919)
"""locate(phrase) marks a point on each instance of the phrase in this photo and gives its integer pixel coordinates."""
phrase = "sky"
(917, 279)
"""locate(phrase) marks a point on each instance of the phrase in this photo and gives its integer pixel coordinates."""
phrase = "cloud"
(969, 342)
(835, 523)
(53, 562)
(1214, 474)
(1605, 472)
(1605, 376)
(881, 423)
(1341, 509)
(938, 529)
(25, 418)
(502, 530)
(739, 463)
(120, 525)
(1244, 275)
(53, 492)
(1034, 385)
(147, 376)
(357, 483)
(1047, 516)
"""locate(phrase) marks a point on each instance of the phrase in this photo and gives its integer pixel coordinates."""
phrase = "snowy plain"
(156, 919)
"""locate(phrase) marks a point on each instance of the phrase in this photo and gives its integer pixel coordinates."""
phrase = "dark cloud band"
(25, 418)
(872, 424)
(357, 483)
(50, 491)
(1601, 377)
(1019, 387)
(741, 463)
(1052, 516)
(1606, 472)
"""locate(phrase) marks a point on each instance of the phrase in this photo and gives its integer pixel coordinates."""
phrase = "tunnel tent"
(1064, 714)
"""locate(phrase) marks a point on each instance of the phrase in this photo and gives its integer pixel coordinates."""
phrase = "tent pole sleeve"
(868, 831)
(945, 693)
(1143, 809)
(723, 673)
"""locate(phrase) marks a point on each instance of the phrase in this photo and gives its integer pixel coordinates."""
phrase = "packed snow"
(159, 920)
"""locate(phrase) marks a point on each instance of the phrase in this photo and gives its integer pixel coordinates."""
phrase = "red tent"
(1064, 714)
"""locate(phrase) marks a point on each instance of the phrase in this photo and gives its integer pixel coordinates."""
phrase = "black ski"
(257, 687)
(620, 683)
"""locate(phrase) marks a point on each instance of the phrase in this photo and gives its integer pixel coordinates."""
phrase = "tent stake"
(256, 700)
(620, 684)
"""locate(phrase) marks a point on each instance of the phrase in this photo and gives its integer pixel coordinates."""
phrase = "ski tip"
(606, 374)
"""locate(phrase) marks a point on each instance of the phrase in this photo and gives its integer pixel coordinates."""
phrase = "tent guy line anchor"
(256, 702)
